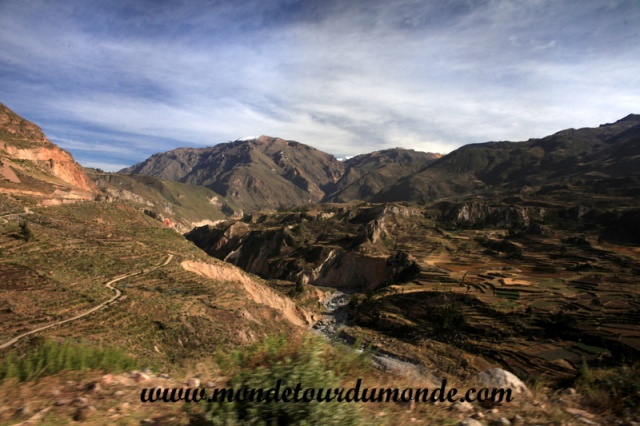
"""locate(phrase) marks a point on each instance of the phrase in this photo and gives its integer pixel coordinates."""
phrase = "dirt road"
(109, 285)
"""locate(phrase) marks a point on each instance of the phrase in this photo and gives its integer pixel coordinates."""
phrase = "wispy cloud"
(345, 77)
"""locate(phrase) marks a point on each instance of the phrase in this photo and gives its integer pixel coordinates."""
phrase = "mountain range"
(186, 186)
(500, 255)
(271, 172)
(571, 156)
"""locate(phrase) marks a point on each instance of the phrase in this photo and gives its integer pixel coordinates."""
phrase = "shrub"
(312, 363)
(622, 386)
(615, 390)
(297, 290)
(25, 231)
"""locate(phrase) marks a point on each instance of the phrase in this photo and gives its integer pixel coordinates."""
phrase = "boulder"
(470, 422)
(499, 378)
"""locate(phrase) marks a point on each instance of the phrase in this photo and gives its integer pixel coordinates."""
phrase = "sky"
(114, 82)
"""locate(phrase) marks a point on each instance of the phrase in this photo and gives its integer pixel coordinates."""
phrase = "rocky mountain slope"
(178, 205)
(262, 172)
(366, 175)
(584, 156)
(30, 163)
(272, 172)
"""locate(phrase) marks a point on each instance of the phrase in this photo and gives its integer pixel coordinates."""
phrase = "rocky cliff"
(31, 162)
(479, 214)
(345, 248)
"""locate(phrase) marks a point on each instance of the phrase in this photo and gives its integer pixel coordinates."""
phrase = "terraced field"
(165, 316)
(537, 300)
(540, 314)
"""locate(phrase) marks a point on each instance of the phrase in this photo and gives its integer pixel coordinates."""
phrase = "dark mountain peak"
(368, 174)
(257, 172)
(629, 119)
(575, 155)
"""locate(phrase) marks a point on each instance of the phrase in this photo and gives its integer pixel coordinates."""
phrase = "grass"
(310, 361)
(55, 357)
(182, 203)
(611, 390)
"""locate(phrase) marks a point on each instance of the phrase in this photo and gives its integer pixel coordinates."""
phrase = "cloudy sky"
(116, 81)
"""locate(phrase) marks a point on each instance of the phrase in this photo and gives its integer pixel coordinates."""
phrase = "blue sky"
(116, 81)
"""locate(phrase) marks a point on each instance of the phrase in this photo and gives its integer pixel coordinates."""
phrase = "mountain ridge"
(568, 155)
(272, 172)
(258, 173)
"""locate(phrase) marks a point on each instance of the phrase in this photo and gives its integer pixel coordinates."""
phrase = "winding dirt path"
(109, 285)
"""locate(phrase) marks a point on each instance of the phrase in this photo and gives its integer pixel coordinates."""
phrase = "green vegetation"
(180, 203)
(297, 290)
(311, 362)
(25, 231)
(54, 357)
(615, 389)
(621, 388)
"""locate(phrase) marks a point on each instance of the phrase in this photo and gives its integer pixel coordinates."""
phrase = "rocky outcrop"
(258, 292)
(364, 214)
(349, 270)
(478, 214)
(22, 140)
(279, 246)
(56, 161)
(374, 231)
(499, 378)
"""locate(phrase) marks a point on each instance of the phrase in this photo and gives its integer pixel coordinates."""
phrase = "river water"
(337, 315)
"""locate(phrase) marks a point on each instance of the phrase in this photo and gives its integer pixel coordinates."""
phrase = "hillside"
(31, 164)
(60, 271)
(367, 174)
(583, 157)
(178, 205)
(257, 173)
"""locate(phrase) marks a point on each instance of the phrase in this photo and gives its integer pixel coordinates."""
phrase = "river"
(337, 315)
